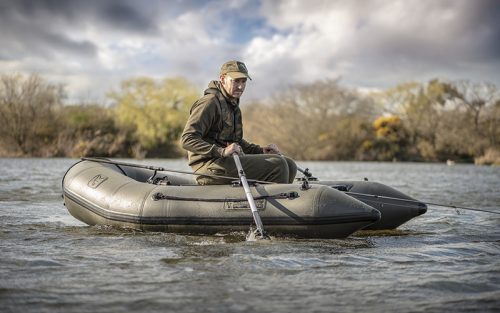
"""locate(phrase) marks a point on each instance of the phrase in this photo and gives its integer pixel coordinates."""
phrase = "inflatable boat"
(103, 192)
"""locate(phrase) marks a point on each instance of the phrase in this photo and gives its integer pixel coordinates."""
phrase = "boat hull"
(395, 207)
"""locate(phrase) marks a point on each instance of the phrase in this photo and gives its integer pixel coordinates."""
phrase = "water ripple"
(439, 262)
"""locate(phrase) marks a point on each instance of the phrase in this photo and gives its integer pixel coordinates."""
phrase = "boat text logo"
(244, 205)
(96, 181)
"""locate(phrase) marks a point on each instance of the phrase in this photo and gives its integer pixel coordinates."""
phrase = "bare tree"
(27, 113)
(476, 97)
(321, 120)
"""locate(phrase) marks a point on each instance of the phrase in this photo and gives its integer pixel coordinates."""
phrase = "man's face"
(234, 87)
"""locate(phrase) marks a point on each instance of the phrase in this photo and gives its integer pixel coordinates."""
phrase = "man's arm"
(250, 148)
(200, 121)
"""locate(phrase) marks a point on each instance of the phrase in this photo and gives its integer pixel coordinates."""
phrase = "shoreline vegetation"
(437, 121)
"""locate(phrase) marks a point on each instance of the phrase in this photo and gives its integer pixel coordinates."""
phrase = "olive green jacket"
(206, 120)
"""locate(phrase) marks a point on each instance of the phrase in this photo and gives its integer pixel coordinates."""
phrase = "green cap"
(235, 70)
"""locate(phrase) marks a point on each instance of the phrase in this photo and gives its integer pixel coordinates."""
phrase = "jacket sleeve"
(250, 148)
(201, 119)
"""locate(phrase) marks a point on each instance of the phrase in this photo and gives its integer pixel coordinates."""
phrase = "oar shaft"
(305, 172)
(248, 193)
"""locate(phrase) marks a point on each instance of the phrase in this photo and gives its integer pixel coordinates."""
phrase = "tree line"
(433, 121)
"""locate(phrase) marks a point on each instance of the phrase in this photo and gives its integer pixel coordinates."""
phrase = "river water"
(442, 261)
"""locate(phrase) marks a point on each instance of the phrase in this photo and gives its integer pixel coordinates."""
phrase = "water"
(439, 262)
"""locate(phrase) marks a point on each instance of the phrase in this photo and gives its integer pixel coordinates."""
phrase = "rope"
(428, 203)
(162, 169)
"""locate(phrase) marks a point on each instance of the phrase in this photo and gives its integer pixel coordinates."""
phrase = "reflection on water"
(439, 262)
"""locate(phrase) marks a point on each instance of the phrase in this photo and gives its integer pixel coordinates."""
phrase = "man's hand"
(231, 149)
(271, 149)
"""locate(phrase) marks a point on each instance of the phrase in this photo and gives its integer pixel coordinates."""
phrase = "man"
(214, 132)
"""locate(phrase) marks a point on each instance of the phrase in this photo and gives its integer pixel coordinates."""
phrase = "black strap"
(284, 195)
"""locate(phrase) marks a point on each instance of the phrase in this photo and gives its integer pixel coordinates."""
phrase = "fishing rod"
(415, 201)
(162, 169)
(309, 176)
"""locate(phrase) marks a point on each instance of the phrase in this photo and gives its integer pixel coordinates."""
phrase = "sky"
(90, 46)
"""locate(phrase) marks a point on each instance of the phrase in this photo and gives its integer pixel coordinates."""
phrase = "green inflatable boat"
(103, 192)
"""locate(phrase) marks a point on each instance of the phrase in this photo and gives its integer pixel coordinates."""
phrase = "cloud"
(122, 16)
(93, 45)
(378, 43)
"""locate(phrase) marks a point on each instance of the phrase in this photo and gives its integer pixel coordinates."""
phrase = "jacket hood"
(215, 84)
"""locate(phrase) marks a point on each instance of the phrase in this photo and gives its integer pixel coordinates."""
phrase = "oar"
(306, 173)
(251, 201)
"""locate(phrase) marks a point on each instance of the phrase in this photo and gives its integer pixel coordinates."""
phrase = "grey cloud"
(82, 48)
(26, 34)
(196, 36)
(45, 28)
(123, 16)
(485, 23)
(448, 37)
(114, 14)
(35, 9)
(473, 33)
